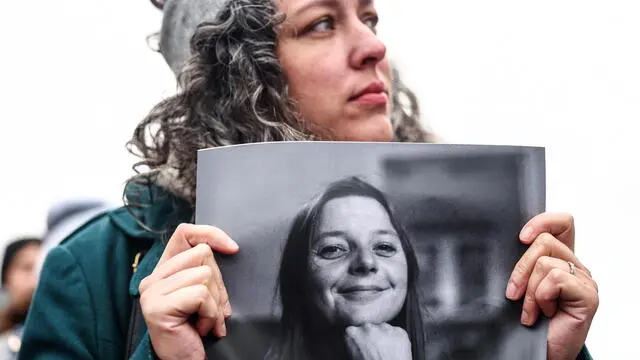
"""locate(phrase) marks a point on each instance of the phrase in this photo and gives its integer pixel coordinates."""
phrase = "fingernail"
(524, 318)
(227, 309)
(512, 290)
(223, 329)
(525, 234)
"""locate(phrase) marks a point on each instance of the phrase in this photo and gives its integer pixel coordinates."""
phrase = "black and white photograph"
(320, 179)
(363, 251)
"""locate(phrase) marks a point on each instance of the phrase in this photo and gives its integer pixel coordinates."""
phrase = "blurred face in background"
(21, 280)
(358, 267)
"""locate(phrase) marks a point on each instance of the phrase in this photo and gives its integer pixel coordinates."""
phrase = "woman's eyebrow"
(334, 233)
(315, 4)
(386, 232)
(325, 4)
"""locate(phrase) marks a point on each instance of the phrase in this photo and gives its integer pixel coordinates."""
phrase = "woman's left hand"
(553, 281)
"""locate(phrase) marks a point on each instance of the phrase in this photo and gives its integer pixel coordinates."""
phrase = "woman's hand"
(378, 342)
(555, 283)
(186, 281)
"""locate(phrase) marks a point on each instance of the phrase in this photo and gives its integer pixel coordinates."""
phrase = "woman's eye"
(372, 22)
(323, 25)
(385, 249)
(331, 251)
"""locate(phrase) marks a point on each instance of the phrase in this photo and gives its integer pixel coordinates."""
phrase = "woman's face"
(337, 68)
(21, 280)
(357, 265)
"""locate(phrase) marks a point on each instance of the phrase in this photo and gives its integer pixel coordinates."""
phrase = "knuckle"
(543, 263)
(543, 295)
(203, 250)
(147, 305)
(223, 296)
(143, 300)
(201, 296)
(144, 285)
(202, 293)
(529, 298)
(207, 272)
(557, 275)
(545, 240)
(595, 302)
(216, 275)
(570, 219)
(537, 295)
(182, 229)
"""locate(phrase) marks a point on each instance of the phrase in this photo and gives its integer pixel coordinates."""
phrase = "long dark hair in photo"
(305, 334)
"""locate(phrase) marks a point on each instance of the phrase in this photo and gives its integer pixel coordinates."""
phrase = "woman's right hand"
(186, 281)
(378, 342)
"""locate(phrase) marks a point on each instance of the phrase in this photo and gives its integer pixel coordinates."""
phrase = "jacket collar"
(148, 220)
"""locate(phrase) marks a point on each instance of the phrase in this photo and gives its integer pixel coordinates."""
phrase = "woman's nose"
(364, 262)
(367, 49)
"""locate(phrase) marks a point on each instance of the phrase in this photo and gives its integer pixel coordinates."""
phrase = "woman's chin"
(374, 132)
(356, 319)
(376, 128)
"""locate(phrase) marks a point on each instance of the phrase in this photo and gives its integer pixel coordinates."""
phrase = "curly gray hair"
(232, 90)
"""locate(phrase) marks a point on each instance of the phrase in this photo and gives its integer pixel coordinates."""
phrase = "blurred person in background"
(63, 218)
(23, 261)
(18, 285)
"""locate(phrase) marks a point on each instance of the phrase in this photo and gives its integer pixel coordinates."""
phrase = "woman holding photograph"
(261, 70)
(348, 281)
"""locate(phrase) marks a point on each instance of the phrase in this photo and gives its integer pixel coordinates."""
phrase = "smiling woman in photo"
(348, 281)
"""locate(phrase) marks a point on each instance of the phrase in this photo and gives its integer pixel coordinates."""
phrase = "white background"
(76, 77)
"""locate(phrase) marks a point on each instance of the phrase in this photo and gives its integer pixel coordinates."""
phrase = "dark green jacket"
(81, 308)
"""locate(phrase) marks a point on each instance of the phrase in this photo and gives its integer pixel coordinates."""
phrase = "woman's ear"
(159, 4)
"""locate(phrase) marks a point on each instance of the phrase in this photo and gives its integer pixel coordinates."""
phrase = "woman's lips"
(372, 94)
(361, 293)
(380, 98)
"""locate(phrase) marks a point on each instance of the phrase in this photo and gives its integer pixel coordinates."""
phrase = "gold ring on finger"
(572, 268)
